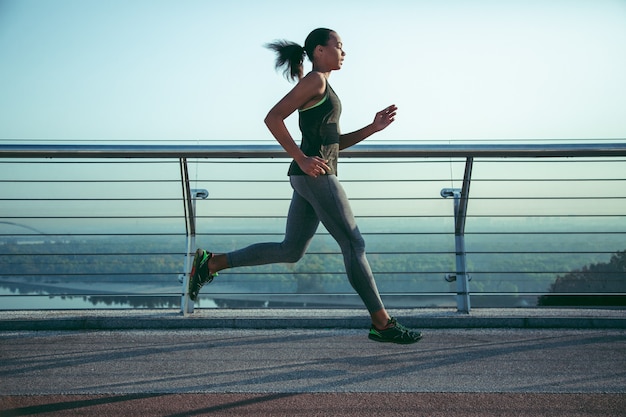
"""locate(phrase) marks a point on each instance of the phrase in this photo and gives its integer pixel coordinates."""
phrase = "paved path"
(452, 372)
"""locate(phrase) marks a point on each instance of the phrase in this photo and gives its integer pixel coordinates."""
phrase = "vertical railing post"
(461, 277)
(189, 201)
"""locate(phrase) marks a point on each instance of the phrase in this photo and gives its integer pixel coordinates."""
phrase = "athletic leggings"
(314, 200)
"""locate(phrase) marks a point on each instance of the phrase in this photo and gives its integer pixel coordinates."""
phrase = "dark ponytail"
(290, 55)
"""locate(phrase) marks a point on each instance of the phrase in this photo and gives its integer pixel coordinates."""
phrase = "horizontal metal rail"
(275, 151)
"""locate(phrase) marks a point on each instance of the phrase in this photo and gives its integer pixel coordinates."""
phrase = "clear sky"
(196, 70)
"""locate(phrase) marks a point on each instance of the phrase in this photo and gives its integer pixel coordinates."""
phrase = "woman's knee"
(359, 243)
(355, 244)
(293, 253)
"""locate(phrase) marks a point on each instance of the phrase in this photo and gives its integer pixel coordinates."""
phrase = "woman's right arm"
(309, 88)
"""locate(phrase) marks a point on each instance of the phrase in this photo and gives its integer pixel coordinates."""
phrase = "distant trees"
(599, 284)
(402, 264)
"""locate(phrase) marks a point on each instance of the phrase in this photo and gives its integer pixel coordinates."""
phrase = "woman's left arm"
(383, 119)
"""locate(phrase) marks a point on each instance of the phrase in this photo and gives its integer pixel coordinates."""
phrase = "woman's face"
(332, 55)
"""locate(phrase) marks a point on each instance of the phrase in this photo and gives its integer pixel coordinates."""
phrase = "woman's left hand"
(385, 117)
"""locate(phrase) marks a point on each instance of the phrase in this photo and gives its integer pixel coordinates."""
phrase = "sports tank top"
(319, 125)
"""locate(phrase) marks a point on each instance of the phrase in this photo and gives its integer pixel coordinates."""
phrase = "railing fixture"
(461, 196)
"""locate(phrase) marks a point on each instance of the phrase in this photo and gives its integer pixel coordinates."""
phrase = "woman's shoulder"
(315, 80)
(316, 75)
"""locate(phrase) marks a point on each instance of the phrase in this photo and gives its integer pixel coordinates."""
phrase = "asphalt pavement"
(313, 372)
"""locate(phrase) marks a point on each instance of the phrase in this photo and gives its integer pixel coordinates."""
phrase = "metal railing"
(92, 222)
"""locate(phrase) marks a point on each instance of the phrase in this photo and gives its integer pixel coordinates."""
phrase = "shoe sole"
(381, 340)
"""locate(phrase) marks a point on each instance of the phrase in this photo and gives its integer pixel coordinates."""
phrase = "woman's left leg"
(302, 222)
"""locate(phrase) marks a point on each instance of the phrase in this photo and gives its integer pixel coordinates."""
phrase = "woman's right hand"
(313, 166)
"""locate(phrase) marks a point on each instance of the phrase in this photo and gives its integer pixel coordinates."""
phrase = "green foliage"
(402, 264)
(602, 284)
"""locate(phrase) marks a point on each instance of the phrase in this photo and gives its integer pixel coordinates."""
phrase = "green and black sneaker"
(200, 274)
(394, 333)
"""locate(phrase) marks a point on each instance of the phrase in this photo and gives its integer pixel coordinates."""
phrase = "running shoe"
(200, 274)
(395, 333)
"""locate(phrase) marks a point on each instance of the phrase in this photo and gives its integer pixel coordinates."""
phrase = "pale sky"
(196, 70)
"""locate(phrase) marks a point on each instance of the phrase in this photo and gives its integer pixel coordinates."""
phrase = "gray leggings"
(314, 200)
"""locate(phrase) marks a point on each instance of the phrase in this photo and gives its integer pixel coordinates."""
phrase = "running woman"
(317, 194)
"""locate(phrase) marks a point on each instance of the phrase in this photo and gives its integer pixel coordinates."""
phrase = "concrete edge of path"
(42, 320)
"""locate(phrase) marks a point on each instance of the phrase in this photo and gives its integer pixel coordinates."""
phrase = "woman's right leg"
(331, 204)
(302, 223)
